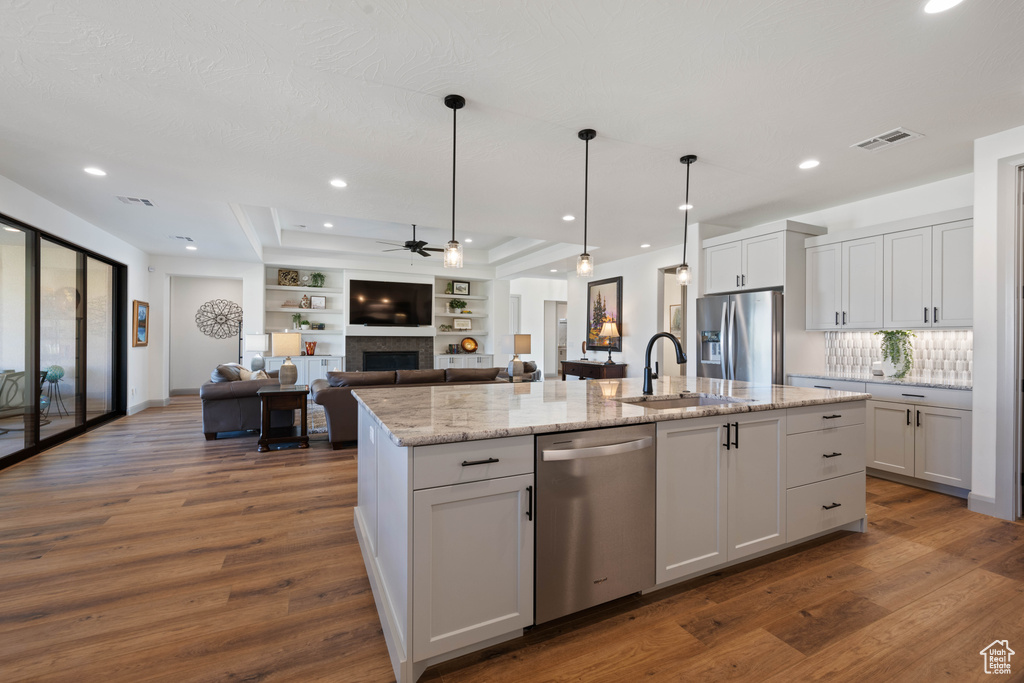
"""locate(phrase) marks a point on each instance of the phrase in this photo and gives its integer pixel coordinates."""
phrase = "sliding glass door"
(63, 340)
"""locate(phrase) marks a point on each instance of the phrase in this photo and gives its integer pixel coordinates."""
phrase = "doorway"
(671, 318)
(200, 342)
(555, 337)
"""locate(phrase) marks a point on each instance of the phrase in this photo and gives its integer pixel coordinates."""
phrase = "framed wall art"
(462, 324)
(140, 323)
(604, 305)
(460, 287)
(288, 277)
(318, 302)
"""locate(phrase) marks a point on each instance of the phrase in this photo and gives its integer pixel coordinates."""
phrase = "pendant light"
(585, 264)
(453, 250)
(683, 271)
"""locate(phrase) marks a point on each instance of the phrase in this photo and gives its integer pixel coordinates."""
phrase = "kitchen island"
(446, 491)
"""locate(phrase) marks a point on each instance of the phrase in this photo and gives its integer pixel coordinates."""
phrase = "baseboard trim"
(919, 483)
(155, 403)
(985, 505)
(185, 392)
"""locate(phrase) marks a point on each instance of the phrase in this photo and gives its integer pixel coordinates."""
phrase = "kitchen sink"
(680, 401)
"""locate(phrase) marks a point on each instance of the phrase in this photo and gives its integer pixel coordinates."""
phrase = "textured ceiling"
(204, 106)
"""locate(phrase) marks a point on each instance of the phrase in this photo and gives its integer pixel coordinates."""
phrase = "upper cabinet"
(752, 259)
(895, 276)
(844, 285)
(929, 277)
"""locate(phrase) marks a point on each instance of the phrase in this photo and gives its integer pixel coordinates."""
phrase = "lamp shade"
(609, 329)
(286, 344)
(522, 344)
(256, 342)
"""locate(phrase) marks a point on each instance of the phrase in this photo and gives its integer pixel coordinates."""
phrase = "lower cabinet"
(463, 360)
(928, 442)
(308, 368)
(720, 491)
(473, 563)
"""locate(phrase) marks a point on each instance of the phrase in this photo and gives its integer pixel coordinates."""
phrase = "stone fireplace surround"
(354, 347)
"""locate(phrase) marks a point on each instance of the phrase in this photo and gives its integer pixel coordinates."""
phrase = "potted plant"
(305, 324)
(296, 320)
(317, 279)
(457, 305)
(897, 352)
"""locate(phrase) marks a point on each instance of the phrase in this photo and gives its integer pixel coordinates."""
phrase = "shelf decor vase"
(311, 348)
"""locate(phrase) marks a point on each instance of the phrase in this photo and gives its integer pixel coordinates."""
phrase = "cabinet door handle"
(830, 507)
(743, 280)
(844, 317)
(737, 280)
(830, 455)
(908, 417)
(919, 418)
(470, 463)
(837, 318)
(935, 314)
(926, 314)
(529, 504)
(830, 417)
(736, 435)
(728, 436)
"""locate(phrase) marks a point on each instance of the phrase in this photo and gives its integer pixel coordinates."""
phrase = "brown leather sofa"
(341, 409)
(230, 404)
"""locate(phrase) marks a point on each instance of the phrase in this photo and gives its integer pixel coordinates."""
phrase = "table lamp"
(609, 330)
(287, 344)
(257, 343)
(520, 344)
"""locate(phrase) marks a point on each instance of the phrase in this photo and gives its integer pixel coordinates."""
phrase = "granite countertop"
(418, 416)
(912, 381)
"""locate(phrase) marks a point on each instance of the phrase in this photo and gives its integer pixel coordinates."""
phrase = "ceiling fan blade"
(384, 251)
(391, 244)
(422, 253)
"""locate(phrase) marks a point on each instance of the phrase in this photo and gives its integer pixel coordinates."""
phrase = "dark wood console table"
(593, 369)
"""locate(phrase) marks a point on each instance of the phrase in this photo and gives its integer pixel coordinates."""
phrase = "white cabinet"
(844, 285)
(720, 491)
(309, 368)
(464, 360)
(927, 442)
(928, 277)
(753, 263)
(473, 560)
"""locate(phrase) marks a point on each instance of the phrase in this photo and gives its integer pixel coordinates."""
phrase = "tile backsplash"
(939, 355)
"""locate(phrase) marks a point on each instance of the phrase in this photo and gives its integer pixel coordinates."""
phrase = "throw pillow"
(244, 374)
(226, 372)
(260, 374)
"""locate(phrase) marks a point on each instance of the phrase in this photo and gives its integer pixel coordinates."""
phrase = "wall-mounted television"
(392, 304)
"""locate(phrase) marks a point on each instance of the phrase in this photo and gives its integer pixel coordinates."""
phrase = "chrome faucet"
(680, 358)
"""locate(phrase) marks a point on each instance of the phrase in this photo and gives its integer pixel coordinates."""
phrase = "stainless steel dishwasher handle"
(596, 451)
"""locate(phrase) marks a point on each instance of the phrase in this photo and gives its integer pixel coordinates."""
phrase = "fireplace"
(391, 360)
(359, 349)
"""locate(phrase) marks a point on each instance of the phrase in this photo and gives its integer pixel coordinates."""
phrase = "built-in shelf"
(467, 297)
(314, 290)
(461, 315)
(278, 330)
(311, 311)
(462, 333)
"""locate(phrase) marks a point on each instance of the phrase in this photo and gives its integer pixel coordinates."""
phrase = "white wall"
(194, 354)
(534, 292)
(28, 207)
(996, 283)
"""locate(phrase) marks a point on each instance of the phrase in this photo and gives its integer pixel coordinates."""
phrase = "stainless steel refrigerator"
(740, 336)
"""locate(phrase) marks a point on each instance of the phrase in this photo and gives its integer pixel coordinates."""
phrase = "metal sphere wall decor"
(219, 318)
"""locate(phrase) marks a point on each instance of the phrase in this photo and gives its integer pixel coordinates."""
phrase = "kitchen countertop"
(418, 416)
(912, 381)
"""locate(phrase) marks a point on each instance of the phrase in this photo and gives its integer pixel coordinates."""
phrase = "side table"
(283, 398)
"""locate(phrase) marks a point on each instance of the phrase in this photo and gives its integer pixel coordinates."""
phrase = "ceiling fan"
(415, 246)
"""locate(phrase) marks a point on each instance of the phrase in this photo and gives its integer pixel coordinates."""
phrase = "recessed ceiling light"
(644, 246)
(810, 163)
(92, 170)
(338, 182)
(684, 207)
(12, 229)
(568, 218)
(328, 225)
(936, 6)
(191, 247)
(469, 239)
(554, 270)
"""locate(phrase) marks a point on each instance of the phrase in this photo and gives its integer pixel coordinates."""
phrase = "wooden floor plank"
(142, 552)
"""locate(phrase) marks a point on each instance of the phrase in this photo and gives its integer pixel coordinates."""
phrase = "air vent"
(187, 239)
(894, 137)
(136, 201)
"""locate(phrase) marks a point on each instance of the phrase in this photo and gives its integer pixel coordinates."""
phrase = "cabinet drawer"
(826, 416)
(807, 461)
(927, 396)
(442, 464)
(835, 384)
(806, 512)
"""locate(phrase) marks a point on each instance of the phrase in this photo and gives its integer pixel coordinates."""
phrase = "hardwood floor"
(142, 552)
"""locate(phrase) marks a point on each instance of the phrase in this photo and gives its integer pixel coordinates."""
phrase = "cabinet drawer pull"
(913, 395)
(728, 436)
(529, 504)
(819, 386)
(470, 463)
(830, 455)
(919, 418)
(830, 417)
(833, 505)
(908, 417)
(736, 435)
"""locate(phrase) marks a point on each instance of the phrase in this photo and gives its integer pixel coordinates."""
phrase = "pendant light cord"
(686, 212)
(455, 133)
(586, 187)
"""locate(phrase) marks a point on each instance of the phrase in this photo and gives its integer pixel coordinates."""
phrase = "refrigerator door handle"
(732, 339)
(723, 340)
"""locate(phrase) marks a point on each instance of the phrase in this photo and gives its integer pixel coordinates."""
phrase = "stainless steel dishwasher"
(594, 518)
